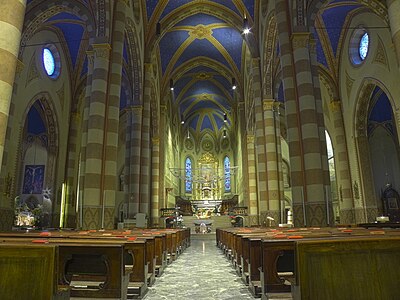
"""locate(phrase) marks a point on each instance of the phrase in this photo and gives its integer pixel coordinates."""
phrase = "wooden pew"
(359, 268)
(29, 271)
(92, 269)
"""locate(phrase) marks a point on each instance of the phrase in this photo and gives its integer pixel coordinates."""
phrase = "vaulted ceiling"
(201, 48)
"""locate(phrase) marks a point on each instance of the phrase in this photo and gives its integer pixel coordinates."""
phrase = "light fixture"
(246, 27)
(188, 136)
(158, 28)
(182, 120)
(225, 118)
(233, 83)
(171, 84)
(224, 133)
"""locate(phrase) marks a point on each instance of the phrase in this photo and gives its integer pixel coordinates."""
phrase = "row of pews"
(315, 263)
(117, 264)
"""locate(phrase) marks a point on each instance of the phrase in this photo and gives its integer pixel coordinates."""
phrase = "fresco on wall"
(33, 179)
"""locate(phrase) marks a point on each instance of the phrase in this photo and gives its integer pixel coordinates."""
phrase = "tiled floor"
(200, 273)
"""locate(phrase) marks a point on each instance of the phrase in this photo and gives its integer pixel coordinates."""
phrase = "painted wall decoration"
(33, 179)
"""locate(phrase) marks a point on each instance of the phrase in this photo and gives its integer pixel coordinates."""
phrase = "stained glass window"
(363, 47)
(188, 175)
(227, 171)
(49, 62)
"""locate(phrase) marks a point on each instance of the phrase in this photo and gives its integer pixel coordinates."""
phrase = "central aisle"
(200, 273)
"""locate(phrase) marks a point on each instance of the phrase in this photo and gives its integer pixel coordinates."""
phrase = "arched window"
(188, 175)
(227, 172)
(331, 164)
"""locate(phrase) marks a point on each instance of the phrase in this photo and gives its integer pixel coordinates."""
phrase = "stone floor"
(200, 273)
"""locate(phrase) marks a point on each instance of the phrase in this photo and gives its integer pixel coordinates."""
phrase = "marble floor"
(200, 273)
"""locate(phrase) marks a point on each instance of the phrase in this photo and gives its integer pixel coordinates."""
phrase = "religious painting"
(33, 179)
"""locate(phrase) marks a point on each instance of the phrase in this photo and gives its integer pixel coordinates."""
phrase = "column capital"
(268, 104)
(76, 116)
(101, 50)
(126, 2)
(136, 109)
(250, 138)
(148, 67)
(155, 140)
(335, 105)
(163, 108)
(300, 39)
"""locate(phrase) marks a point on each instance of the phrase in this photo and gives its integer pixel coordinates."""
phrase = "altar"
(203, 225)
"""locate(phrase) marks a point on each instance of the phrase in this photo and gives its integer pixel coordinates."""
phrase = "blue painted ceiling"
(380, 113)
(205, 51)
(331, 25)
(73, 30)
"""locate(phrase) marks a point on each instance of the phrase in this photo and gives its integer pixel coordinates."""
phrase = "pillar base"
(92, 217)
(347, 216)
(6, 219)
(316, 215)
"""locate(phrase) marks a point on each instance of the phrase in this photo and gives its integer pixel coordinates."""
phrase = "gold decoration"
(300, 40)
(7, 185)
(250, 138)
(155, 140)
(102, 50)
(349, 84)
(203, 76)
(335, 105)
(380, 56)
(60, 94)
(90, 57)
(200, 32)
(137, 109)
(20, 67)
(33, 72)
(268, 104)
(207, 145)
(207, 158)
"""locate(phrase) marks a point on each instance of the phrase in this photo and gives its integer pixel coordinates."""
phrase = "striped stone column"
(145, 145)
(94, 180)
(162, 143)
(292, 118)
(109, 170)
(261, 156)
(303, 124)
(84, 135)
(70, 200)
(321, 131)
(251, 164)
(155, 181)
(127, 168)
(134, 161)
(274, 193)
(315, 195)
(346, 204)
(11, 21)
(394, 19)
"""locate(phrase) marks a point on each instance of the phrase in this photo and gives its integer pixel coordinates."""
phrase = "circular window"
(48, 62)
(363, 46)
(359, 46)
(51, 61)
